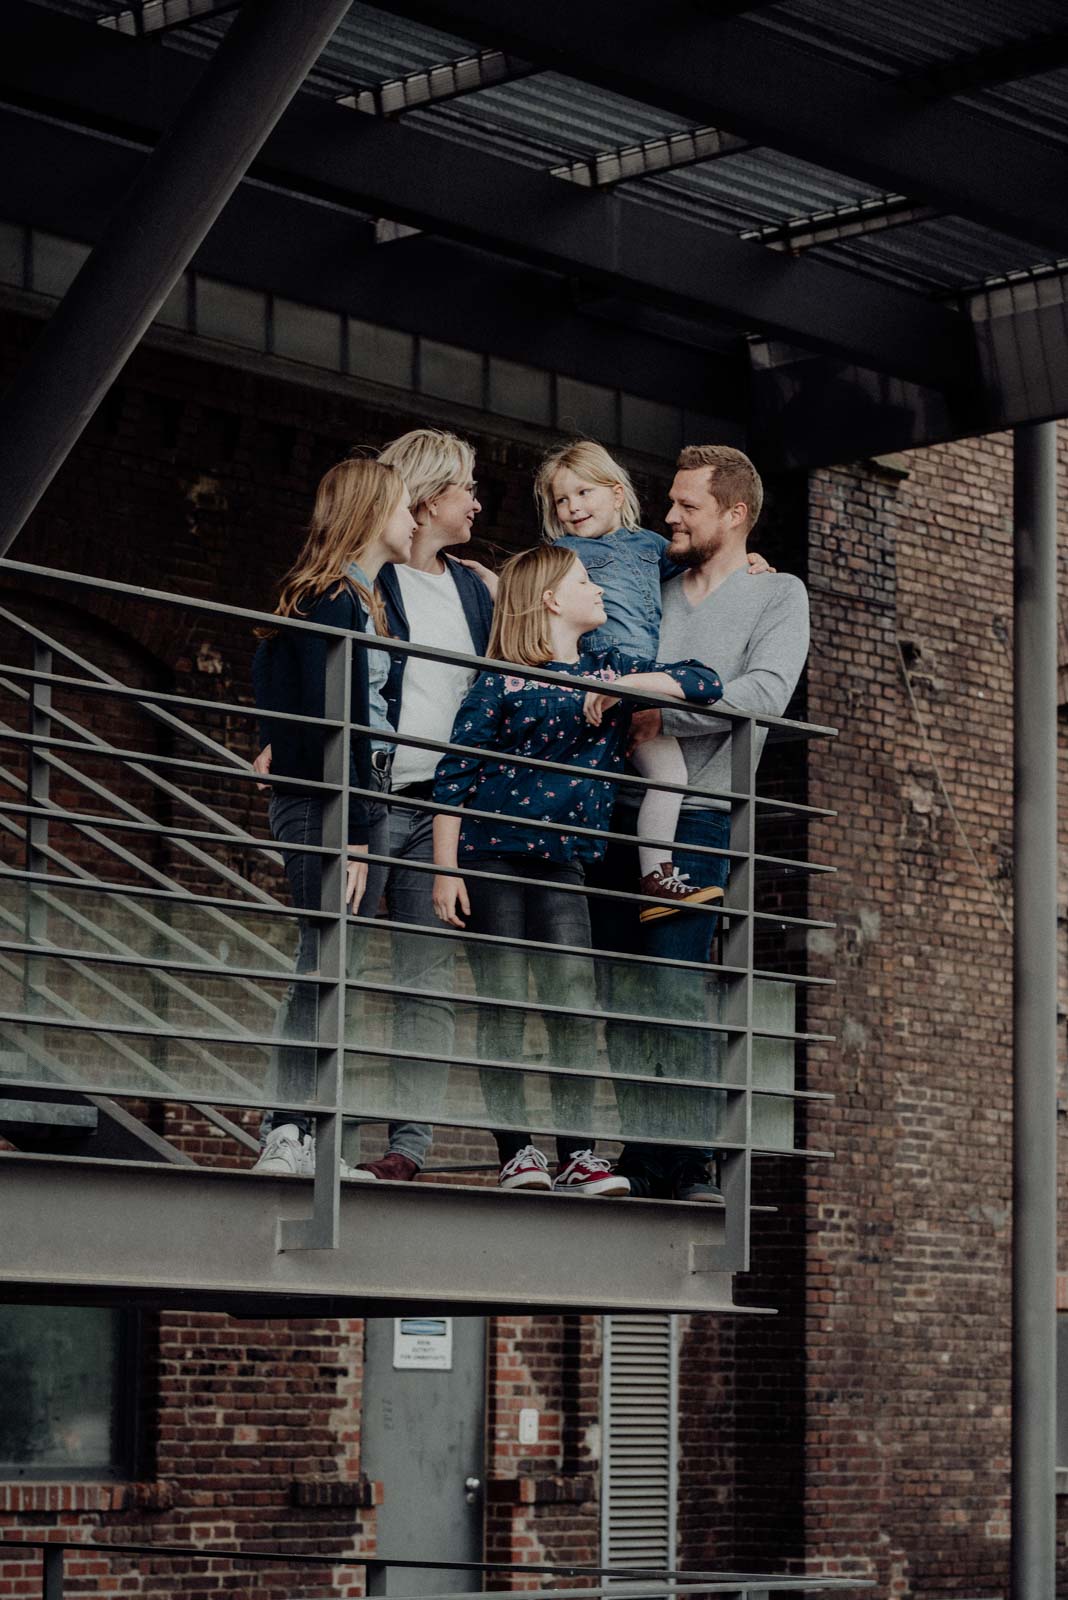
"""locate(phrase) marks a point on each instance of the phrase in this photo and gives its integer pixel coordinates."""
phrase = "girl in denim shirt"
(546, 603)
(588, 506)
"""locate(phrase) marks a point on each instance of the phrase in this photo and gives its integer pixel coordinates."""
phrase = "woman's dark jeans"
(522, 909)
(298, 819)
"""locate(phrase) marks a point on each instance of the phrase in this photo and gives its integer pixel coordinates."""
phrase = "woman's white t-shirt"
(432, 690)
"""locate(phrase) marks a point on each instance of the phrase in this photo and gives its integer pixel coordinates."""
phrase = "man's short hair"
(732, 477)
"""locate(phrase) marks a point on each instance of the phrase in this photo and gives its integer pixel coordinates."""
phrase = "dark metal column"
(151, 240)
(1034, 1015)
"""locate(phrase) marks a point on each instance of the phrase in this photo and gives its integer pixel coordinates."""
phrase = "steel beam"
(473, 196)
(123, 1232)
(989, 69)
(158, 16)
(841, 222)
(274, 241)
(1034, 1228)
(669, 154)
(185, 184)
(779, 91)
(435, 85)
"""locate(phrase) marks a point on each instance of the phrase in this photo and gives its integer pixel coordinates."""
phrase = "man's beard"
(691, 557)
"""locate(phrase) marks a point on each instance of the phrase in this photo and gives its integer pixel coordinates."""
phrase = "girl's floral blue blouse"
(513, 715)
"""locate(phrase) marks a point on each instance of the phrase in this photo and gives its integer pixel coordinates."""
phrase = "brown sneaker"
(391, 1168)
(673, 890)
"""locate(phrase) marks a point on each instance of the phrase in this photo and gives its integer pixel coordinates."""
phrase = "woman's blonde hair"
(353, 503)
(429, 460)
(591, 462)
(520, 619)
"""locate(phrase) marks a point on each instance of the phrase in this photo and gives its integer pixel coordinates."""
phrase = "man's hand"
(448, 893)
(595, 705)
(488, 576)
(355, 875)
(645, 725)
(262, 765)
(758, 565)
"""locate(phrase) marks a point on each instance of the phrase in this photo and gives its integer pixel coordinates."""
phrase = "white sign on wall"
(422, 1343)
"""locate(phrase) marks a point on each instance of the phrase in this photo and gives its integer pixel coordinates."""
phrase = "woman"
(360, 524)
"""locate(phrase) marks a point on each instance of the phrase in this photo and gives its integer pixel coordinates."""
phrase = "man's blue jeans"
(668, 992)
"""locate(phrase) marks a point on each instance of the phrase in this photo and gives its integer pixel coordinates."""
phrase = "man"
(754, 632)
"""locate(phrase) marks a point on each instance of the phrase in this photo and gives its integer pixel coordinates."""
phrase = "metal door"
(423, 1439)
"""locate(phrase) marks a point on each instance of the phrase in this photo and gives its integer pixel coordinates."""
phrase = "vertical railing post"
(738, 953)
(52, 1572)
(321, 1231)
(37, 795)
(1034, 1230)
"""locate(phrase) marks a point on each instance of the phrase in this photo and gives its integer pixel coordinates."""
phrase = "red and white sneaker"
(528, 1169)
(586, 1173)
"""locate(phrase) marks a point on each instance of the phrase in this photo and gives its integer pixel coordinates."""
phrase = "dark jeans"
(298, 819)
(522, 909)
(665, 992)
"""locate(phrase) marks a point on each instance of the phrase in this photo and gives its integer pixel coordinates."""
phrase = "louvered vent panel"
(638, 1510)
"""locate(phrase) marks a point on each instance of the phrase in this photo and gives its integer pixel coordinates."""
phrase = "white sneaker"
(528, 1169)
(287, 1150)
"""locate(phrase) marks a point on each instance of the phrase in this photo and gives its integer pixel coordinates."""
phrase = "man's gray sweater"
(753, 631)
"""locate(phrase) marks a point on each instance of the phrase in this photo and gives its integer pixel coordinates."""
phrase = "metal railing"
(587, 1582)
(146, 939)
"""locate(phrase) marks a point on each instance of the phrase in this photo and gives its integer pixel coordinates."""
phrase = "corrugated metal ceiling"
(545, 119)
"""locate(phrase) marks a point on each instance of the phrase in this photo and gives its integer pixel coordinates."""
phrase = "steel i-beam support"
(1034, 1228)
(151, 239)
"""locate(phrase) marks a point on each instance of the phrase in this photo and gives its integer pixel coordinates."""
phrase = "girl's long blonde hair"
(353, 503)
(591, 462)
(520, 619)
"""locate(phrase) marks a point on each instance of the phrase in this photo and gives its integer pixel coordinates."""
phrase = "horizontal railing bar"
(373, 986)
(444, 1119)
(246, 775)
(155, 924)
(127, 808)
(402, 647)
(656, 1576)
(58, 680)
(121, 691)
(54, 813)
(546, 1008)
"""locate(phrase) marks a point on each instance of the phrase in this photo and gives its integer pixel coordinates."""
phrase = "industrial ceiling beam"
(993, 68)
(476, 197)
(842, 222)
(278, 242)
(182, 188)
(652, 156)
(159, 16)
(434, 85)
(735, 73)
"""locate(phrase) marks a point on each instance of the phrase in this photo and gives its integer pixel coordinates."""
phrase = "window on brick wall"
(69, 1392)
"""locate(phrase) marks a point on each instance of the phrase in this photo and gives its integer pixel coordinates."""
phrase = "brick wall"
(864, 1430)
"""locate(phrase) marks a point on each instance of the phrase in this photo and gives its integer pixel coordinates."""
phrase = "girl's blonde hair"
(353, 503)
(591, 462)
(520, 620)
(429, 460)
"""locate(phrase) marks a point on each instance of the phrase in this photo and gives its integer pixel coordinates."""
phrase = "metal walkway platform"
(77, 1230)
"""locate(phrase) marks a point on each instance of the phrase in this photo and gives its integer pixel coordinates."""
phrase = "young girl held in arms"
(588, 506)
(546, 604)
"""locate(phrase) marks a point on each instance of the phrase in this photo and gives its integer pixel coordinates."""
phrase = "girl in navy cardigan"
(360, 522)
(545, 603)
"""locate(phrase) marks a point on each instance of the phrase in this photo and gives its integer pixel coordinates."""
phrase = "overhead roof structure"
(841, 228)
